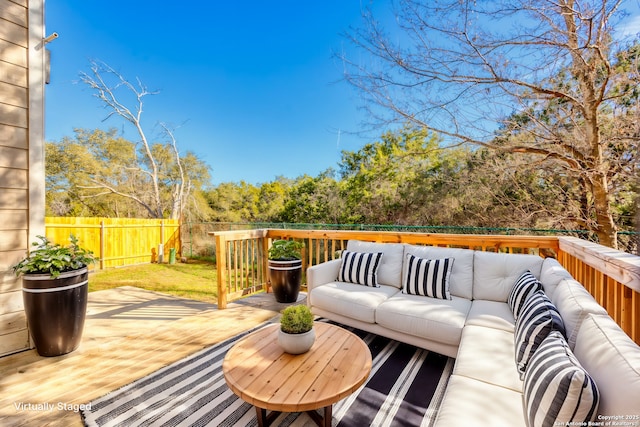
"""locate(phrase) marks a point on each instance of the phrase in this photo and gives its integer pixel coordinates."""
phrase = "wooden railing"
(612, 277)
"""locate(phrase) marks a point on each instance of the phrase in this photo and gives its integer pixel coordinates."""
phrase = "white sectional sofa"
(475, 324)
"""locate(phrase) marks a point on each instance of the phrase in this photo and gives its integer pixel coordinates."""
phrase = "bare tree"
(116, 92)
(529, 76)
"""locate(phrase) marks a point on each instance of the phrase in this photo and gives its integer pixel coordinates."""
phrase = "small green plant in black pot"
(285, 269)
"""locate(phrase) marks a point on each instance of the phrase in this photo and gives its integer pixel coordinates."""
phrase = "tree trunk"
(606, 228)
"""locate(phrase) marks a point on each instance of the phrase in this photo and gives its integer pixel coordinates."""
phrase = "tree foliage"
(549, 76)
(75, 166)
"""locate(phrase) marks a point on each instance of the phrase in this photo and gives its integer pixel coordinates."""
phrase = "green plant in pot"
(54, 290)
(296, 334)
(285, 269)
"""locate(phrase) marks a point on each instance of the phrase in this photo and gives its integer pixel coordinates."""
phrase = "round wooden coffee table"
(262, 374)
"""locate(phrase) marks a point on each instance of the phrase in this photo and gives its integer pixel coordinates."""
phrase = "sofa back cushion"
(613, 361)
(551, 275)
(390, 270)
(574, 303)
(494, 274)
(461, 278)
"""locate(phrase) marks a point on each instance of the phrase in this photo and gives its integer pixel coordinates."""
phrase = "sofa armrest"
(320, 274)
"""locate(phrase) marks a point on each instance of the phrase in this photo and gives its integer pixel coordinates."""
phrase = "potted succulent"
(54, 290)
(296, 334)
(285, 269)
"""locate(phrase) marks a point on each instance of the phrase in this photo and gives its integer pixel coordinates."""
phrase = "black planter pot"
(286, 277)
(56, 309)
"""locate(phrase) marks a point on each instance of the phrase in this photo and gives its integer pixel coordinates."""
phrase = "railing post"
(265, 261)
(221, 263)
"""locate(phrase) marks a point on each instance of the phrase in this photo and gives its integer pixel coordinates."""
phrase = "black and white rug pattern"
(405, 388)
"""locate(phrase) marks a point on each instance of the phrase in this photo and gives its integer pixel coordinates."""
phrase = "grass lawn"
(194, 280)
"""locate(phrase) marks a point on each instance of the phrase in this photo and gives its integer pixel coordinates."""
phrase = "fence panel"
(119, 241)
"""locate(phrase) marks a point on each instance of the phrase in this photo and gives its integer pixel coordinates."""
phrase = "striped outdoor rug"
(405, 388)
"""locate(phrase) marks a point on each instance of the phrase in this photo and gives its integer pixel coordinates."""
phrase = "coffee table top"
(262, 374)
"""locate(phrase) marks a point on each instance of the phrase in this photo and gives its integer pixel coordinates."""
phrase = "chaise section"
(470, 402)
(487, 355)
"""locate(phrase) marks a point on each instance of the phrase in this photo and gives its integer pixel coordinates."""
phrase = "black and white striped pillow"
(427, 277)
(557, 390)
(537, 319)
(526, 285)
(360, 268)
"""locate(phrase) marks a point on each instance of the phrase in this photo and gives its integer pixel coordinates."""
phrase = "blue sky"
(252, 86)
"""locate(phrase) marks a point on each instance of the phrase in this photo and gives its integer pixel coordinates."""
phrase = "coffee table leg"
(262, 417)
(265, 420)
(328, 414)
(325, 420)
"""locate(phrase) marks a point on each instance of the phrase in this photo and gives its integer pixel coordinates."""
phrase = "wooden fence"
(611, 276)
(119, 241)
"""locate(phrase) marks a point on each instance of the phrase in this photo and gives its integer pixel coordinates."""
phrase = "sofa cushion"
(461, 279)
(470, 402)
(574, 303)
(495, 273)
(351, 300)
(538, 318)
(434, 319)
(525, 286)
(360, 268)
(613, 361)
(390, 271)
(486, 354)
(552, 273)
(557, 390)
(491, 314)
(427, 277)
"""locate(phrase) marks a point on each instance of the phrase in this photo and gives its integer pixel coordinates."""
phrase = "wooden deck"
(129, 333)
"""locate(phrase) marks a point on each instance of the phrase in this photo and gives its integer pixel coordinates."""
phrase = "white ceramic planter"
(296, 343)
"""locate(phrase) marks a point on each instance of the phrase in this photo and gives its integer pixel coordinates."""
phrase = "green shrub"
(296, 319)
(285, 250)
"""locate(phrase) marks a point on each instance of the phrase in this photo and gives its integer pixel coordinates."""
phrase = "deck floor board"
(129, 333)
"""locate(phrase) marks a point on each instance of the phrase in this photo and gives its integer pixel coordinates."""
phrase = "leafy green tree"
(399, 179)
(98, 173)
(314, 200)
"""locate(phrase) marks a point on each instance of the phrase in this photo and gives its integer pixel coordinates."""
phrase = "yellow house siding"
(21, 160)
